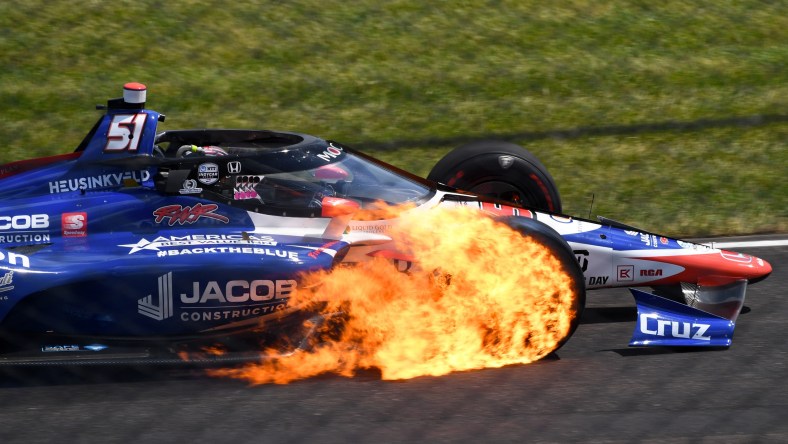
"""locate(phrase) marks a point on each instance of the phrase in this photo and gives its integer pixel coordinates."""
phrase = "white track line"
(749, 244)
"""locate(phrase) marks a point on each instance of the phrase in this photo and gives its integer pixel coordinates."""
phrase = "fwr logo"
(188, 215)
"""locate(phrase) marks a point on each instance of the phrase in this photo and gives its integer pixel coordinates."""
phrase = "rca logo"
(651, 273)
(74, 224)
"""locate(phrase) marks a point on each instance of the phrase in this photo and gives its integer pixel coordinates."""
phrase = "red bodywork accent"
(13, 168)
(714, 268)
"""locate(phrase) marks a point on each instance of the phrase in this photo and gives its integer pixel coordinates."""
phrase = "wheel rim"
(504, 191)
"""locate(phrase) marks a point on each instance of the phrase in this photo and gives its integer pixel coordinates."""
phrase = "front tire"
(549, 238)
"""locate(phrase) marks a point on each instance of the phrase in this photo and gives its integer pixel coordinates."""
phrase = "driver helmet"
(210, 151)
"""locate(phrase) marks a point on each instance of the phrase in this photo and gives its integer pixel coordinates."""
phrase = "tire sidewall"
(475, 163)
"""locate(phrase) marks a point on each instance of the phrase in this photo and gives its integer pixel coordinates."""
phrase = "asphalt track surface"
(595, 389)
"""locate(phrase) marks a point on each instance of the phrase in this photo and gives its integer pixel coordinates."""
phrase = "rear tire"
(502, 170)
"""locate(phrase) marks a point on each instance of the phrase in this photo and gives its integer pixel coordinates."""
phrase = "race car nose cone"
(752, 268)
(764, 269)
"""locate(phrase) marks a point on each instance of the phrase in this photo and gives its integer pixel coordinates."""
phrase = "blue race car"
(141, 246)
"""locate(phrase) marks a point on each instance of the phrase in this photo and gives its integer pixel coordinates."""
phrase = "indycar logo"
(650, 324)
(208, 173)
(188, 215)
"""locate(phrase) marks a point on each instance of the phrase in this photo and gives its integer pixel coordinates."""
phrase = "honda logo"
(234, 167)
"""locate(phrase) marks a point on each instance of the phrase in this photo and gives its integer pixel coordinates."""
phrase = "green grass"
(424, 75)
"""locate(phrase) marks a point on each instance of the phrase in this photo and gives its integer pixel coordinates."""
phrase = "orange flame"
(484, 295)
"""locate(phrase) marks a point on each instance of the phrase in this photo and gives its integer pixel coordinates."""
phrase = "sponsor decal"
(190, 187)
(649, 239)
(597, 280)
(332, 152)
(316, 253)
(212, 301)
(200, 240)
(12, 258)
(736, 257)
(6, 281)
(582, 258)
(59, 348)
(24, 228)
(74, 224)
(95, 347)
(632, 233)
(234, 167)
(663, 240)
(503, 210)
(188, 215)
(650, 324)
(692, 246)
(505, 161)
(239, 291)
(19, 238)
(651, 273)
(163, 308)
(24, 222)
(292, 255)
(208, 173)
(371, 228)
(110, 180)
(625, 273)
(244, 187)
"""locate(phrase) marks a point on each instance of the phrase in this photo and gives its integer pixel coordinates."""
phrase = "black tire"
(498, 169)
(550, 238)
